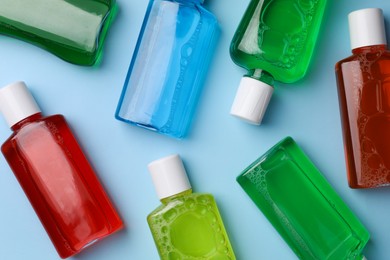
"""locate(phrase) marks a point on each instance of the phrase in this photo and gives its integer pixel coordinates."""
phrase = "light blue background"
(218, 148)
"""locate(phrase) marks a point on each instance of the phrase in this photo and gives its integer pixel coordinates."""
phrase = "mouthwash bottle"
(55, 175)
(363, 89)
(187, 225)
(169, 65)
(72, 30)
(302, 206)
(274, 41)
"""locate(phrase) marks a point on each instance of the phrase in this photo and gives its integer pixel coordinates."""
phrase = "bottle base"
(365, 186)
(90, 243)
(168, 132)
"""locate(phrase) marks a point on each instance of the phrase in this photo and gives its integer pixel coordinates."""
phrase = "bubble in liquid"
(202, 210)
(220, 256)
(174, 256)
(187, 51)
(220, 239)
(164, 230)
(374, 161)
(189, 203)
(211, 216)
(203, 199)
(306, 5)
(368, 146)
(170, 215)
(184, 62)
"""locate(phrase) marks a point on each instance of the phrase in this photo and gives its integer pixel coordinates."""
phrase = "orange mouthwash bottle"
(363, 87)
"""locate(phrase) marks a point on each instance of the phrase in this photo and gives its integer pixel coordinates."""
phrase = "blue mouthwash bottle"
(168, 67)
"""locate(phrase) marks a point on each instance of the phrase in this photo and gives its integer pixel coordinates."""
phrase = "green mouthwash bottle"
(302, 206)
(187, 225)
(275, 40)
(73, 30)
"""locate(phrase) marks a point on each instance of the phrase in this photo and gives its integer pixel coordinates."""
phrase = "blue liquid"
(168, 67)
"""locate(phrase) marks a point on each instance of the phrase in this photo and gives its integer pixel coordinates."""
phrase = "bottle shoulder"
(57, 119)
(177, 5)
(207, 14)
(371, 57)
(183, 203)
(30, 127)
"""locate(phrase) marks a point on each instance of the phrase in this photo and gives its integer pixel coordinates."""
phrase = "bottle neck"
(262, 76)
(372, 48)
(173, 197)
(26, 121)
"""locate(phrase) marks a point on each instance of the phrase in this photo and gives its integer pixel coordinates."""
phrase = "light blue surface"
(218, 148)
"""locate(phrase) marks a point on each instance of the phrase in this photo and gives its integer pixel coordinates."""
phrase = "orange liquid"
(60, 183)
(364, 96)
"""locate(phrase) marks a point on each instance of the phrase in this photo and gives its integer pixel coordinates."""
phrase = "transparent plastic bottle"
(72, 30)
(302, 206)
(363, 87)
(169, 65)
(275, 40)
(55, 174)
(187, 225)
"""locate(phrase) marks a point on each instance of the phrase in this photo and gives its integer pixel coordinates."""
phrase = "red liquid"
(364, 95)
(60, 183)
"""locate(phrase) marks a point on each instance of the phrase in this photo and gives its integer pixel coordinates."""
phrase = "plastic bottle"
(187, 225)
(72, 30)
(168, 67)
(364, 100)
(302, 206)
(275, 40)
(55, 174)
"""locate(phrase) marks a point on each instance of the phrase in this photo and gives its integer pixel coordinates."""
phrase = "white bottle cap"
(251, 100)
(366, 28)
(17, 103)
(169, 176)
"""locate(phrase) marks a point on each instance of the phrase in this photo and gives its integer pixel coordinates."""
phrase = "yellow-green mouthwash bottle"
(275, 40)
(187, 225)
(302, 206)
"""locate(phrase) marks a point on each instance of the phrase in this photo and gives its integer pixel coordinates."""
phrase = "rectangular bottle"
(169, 65)
(55, 174)
(72, 30)
(302, 206)
(363, 81)
(274, 39)
(187, 225)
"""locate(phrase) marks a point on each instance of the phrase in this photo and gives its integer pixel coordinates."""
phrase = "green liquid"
(278, 36)
(189, 226)
(73, 30)
(302, 206)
